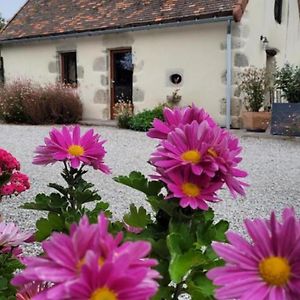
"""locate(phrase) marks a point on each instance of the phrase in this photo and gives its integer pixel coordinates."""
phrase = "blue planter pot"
(285, 119)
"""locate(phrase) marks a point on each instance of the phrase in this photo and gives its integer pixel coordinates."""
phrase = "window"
(278, 11)
(69, 68)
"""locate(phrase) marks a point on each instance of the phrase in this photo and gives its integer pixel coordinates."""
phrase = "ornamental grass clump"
(23, 101)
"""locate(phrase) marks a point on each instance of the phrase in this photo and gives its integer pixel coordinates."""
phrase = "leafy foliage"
(143, 120)
(66, 205)
(8, 266)
(2, 22)
(181, 240)
(288, 81)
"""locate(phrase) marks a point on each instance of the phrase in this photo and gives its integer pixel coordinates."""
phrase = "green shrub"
(288, 81)
(25, 102)
(143, 120)
(123, 112)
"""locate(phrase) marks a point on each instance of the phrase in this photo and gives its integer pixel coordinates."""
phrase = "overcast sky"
(9, 7)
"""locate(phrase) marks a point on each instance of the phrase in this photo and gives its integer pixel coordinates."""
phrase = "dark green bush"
(288, 81)
(143, 120)
(25, 102)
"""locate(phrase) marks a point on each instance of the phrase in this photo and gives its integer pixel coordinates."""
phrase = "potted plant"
(174, 99)
(254, 85)
(286, 113)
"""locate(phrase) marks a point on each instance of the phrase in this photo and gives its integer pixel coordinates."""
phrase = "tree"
(2, 22)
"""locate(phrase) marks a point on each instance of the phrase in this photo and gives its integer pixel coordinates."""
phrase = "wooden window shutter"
(278, 11)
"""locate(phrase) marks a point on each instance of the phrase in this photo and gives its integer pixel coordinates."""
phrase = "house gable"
(54, 17)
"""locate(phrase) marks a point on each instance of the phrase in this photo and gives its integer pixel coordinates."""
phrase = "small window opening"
(278, 11)
(176, 78)
(69, 68)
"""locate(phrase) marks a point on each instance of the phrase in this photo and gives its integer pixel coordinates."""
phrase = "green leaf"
(85, 196)
(164, 293)
(201, 288)
(221, 229)
(137, 217)
(100, 207)
(57, 202)
(59, 188)
(158, 202)
(44, 229)
(56, 222)
(181, 262)
(180, 265)
(3, 283)
(139, 182)
(42, 202)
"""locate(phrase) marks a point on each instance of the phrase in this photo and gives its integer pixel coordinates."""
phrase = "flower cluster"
(11, 180)
(18, 183)
(92, 264)
(11, 238)
(8, 163)
(195, 157)
(266, 268)
(69, 146)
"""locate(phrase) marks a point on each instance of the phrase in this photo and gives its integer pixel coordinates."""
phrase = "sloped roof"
(54, 17)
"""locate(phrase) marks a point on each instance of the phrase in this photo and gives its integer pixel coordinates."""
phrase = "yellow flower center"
(191, 189)
(80, 264)
(212, 152)
(103, 294)
(101, 261)
(275, 270)
(76, 150)
(192, 156)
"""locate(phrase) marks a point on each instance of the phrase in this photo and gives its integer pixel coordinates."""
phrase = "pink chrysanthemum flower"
(29, 291)
(11, 237)
(177, 117)
(190, 146)
(66, 256)
(267, 268)
(116, 279)
(203, 150)
(192, 190)
(68, 145)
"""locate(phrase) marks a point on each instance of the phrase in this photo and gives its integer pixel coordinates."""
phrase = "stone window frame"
(62, 57)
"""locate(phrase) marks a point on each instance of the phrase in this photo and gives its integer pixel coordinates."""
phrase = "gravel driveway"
(273, 165)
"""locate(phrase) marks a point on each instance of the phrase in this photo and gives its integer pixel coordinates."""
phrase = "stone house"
(143, 50)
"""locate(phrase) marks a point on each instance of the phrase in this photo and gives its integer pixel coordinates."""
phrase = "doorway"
(121, 80)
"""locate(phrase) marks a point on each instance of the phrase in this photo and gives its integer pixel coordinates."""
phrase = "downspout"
(229, 74)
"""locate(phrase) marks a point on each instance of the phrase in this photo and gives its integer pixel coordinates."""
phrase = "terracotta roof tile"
(52, 17)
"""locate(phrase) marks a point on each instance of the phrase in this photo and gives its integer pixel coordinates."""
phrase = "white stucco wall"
(259, 20)
(194, 50)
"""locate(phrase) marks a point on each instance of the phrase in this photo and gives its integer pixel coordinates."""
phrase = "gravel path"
(273, 165)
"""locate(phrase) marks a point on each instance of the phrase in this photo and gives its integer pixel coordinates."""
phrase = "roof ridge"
(38, 19)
